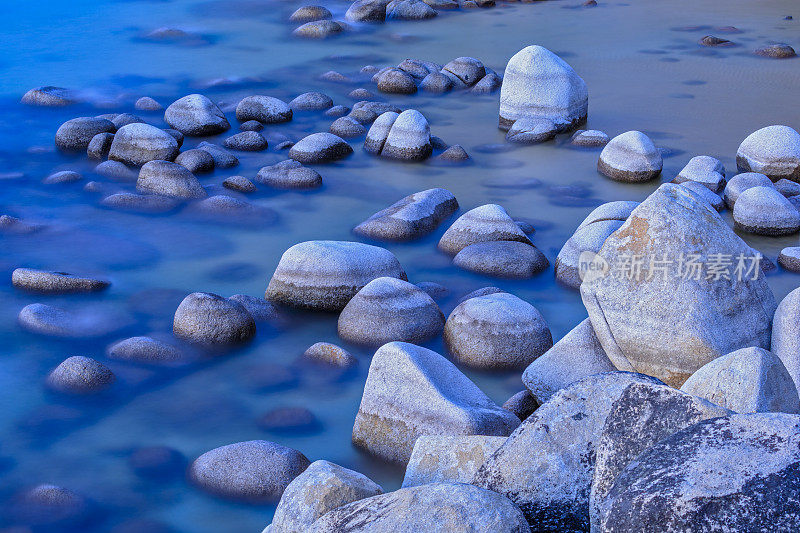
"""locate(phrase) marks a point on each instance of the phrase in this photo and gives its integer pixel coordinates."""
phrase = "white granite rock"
(773, 151)
(765, 211)
(630, 157)
(448, 458)
(740, 183)
(196, 115)
(486, 223)
(411, 217)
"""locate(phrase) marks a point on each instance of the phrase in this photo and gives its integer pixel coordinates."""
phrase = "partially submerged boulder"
(773, 151)
(486, 223)
(411, 217)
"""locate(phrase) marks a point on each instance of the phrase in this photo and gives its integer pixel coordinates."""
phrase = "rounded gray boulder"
(136, 144)
(205, 318)
(80, 375)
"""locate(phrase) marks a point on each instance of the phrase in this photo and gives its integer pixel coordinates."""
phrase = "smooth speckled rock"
(445, 458)
(75, 135)
(630, 157)
(239, 184)
(222, 157)
(124, 119)
(497, 331)
(61, 177)
(539, 84)
(255, 471)
(773, 151)
(80, 375)
(289, 174)
(776, 51)
(49, 96)
(588, 238)
(246, 141)
(411, 217)
(765, 211)
(310, 13)
(325, 275)
(318, 29)
(379, 132)
(323, 487)
(367, 11)
(740, 183)
(168, 179)
(99, 146)
(412, 391)
(409, 10)
(390, 309)
(136, 144)
(502, 259)
(396, 81)
(145, 350)
(706, 170)
(789, 258)
(196, 161)
(454, 154)
(464, 71)
(437, 83)
(750, 380)
(140, 203)
(48, 506)
(116, 171)
(320, 148)
(531, 130)
(145, 103)
(312, 101)
(486, 223)
(44, 281)
(590, 138)
(205, 318)
(196, 115)
(787, 188)
(577, 355)
(488, 84)
(522, 404)
(347, 127)
(84, 322)
(331, 354)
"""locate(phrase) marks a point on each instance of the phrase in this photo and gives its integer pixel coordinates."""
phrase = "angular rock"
(713, 199)
(705, 170)
(773, 151)
(486, 223)
(448, 459)
(168, 179)
(80, 375)
(325, 275)
(522, 404)
(289, 174)
(136, 144)
(539, 84)
(740, 183)
(43, 281)
(196, 115)
(765, 211)
(76, 134)
(411, 217)
(672, 324)
(205, 318)
(255, 471)
(390, 309)
(630, 157)
(320, 148)
(412, 391)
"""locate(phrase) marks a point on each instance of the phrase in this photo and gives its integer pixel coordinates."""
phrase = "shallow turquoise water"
(642, 74)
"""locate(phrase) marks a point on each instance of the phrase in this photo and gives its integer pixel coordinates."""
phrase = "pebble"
(255, 471)
(247, 141)
(445, 458)
(136, 144)
(496, 331)
(99, 146)
(710, 40)
(347, 127)
(630, 157)
(145, 103)
(169, 179)
(289, 174)
(43, 281)
(411, 217)
(310, 14)
(312, 101)
(412, 391)
(240, 184)
(486, 223)
(196, 115)
(776, 51)
(320, 148)
(390, 309)
(196, 161)
(325, 275)
(145, 350)
(396, 81)
(773, 151)
(75, 135)
(318, 29)
(49, 96)
(502, 259)
(330, 354)
(531, 130)
(263, 109)
(590, 138)
(205, 318)
(765, 211)
(740, 183)
(80, 375)
(454, 154)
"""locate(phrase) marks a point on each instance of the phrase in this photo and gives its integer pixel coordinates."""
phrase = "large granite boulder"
(448, 458)
(630, 157)
(765, 211)
(674, 321)
(324, 275)
(773, 151)
(196, 115)
(786, 334)
(539, 84)
(136, 144)
(412, 391)
(411, 217)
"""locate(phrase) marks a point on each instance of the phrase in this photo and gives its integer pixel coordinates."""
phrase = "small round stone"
(590, 138)
(145, 350)
(347, 127)
(136, 144)
(327, 353)
(454, 154)
(289, 174)
(630, 157)
(80, 375)
(312, 101)
(251, 125)
(318, 29)
(196, 115)
(789, 258)
(502, 259)
(76, 134)
(206, 318)
(436, 83)
(64, 176)
(49, 96)
(320, 148)
(169, 179)
(396, 81)
(765, 211)
(263, 109)
(247, 141)
(240, 184)
(310, 14)
(145, 103)
(196, 161)
(99, 146)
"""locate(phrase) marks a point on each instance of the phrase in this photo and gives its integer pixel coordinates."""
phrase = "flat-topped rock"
(630, 157)
(486, 223)
(590, 138)
(44, 281)
(411, 217)
(196, 115)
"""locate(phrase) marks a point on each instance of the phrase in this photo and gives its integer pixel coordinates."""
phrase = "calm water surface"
(644, 71)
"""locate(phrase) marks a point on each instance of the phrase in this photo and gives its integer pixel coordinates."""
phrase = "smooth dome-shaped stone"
(502, 259)
(531, 130)
(222, 157)
(488, 84)
(255, 471)
(76, 134)
(630, 157)
(465, 71)
(251, 125)
(787, 188)
(576, 356)
(320, 148)
(396, 81)
(367, 11)
(169, 179)
(436, 82)
(705, 170)
(418, 68)
(789, 258)
(347, 127)
(497, 331)
(80, 375)
(205, 318)
(145, 350)
(411, 217)
(409, 10)
(125, 119)
(617, 210)
(196, 115)
(139, 203)
(323, 487)
(366, 112)
(136, 144)
(289, 174)
(360, 94)
(590, 138)
(318, 29)
(765, 211)
(412, 391)
(379, 132)
(196, 161)
(325, 275)
(310, 13)
(409, 138)
(435, 508)
(486, 223)
(454, 154)
(63, 176)
(99, 146)
(240, 184)
(539, 84)
(445, 458)
(53, 507)
(246, 141)
(116, 171)
(734, 473)
(713, 199)
(750, 380)
(146, 103)
(776, 51)
(773, 151)
(390, 309)
(49, 96)
(589, 238)
(672, 323)
(229, 210)
(740, 183)
(44, 281)
(522, 404)
(330, 354)
(313, 101)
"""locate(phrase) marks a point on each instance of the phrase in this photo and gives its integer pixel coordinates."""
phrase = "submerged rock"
(312, 101)
(80, 375)
(289, 174)
(206, 318)
(496, 331)
(539, 84)
(320, 148)
(136, 144)
(531, 130)
(196, 115)
(522, 404)
(454, 154)
(44, 281)
(222, 157)
(88, 322)
(776, 51)
(411, 217)
(486, 223)
(246, 141)
(255, 471)
(502, 259)
(63, 176)
(773, 151)
(145, 103)
(436, 82)
(390, 309)
(145, 350)
(310, 13)
(76, 134)
(169, 179)
(445, 458)
(630, 157)
(321, 488)
(412, 391)
(327, 353)
(590, 138)
(318, 29)
(140, 203)
(325, 275)
(765, 211)
(240, 184)
(49, 96)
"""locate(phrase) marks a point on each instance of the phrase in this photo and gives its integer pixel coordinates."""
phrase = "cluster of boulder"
(462, 73)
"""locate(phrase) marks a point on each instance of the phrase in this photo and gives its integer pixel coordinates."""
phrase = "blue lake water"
(644, 71)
